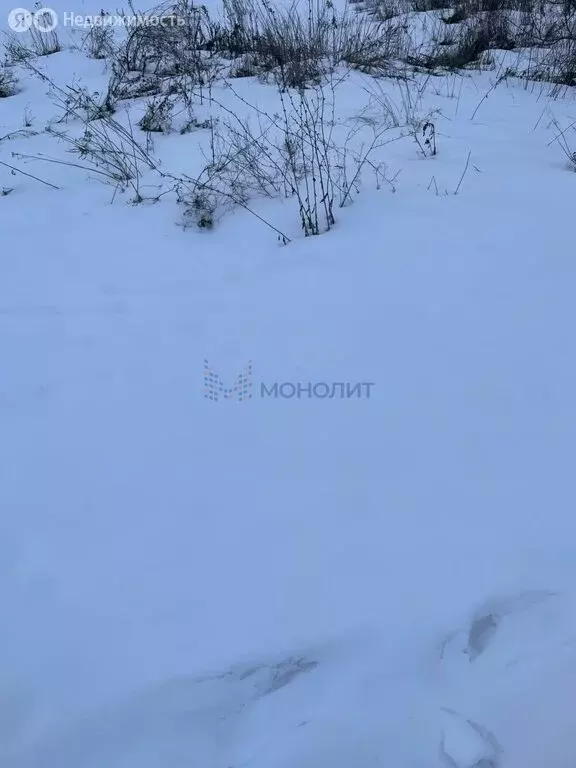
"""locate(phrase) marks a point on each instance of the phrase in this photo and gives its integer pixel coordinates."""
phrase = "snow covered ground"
(292, 582)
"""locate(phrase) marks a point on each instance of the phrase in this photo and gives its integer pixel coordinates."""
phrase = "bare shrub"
(158, 115)
(384, 10)
(560, 63)
(282, 39)
(110, 150)
(367, 46)
(132, 85)
(99, 41)
(314, 158)
(246, 65)
(457, 15)
(37, 41)
(105, 146)
(301, 44)
(44, 39)
(16, 52)
(470, 41)
(406, 112)
(201, 206)
(179, 46)
(430, 5)
(8, 82)
(77, 102)
(298, 153)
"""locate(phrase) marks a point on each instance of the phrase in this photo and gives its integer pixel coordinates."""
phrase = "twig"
(17, 170)
(464, 172)
(488, 92)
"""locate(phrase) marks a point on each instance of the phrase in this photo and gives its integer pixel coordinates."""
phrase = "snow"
(292, 582)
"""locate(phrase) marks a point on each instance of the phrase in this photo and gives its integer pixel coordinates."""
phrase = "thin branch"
(30, 176)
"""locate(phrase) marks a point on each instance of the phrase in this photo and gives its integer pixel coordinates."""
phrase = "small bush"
(370, 48)
(44, 39)
(125, 85)
(297, 47)
(99, 41)
(467, 50)
(301, 46)
(430, 5)
(562, 139)
(471, 40)
(8, 82)
(21, 48)
(192, 123)
(293, 154)
(283, 41)
(560, 63)
(175, 48)
(17, 52)
(78, 102)
(158, 116)
(201, 208)
(246, 65)
(457, 16)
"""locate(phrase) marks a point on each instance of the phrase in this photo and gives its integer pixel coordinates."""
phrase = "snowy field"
(291, 582)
